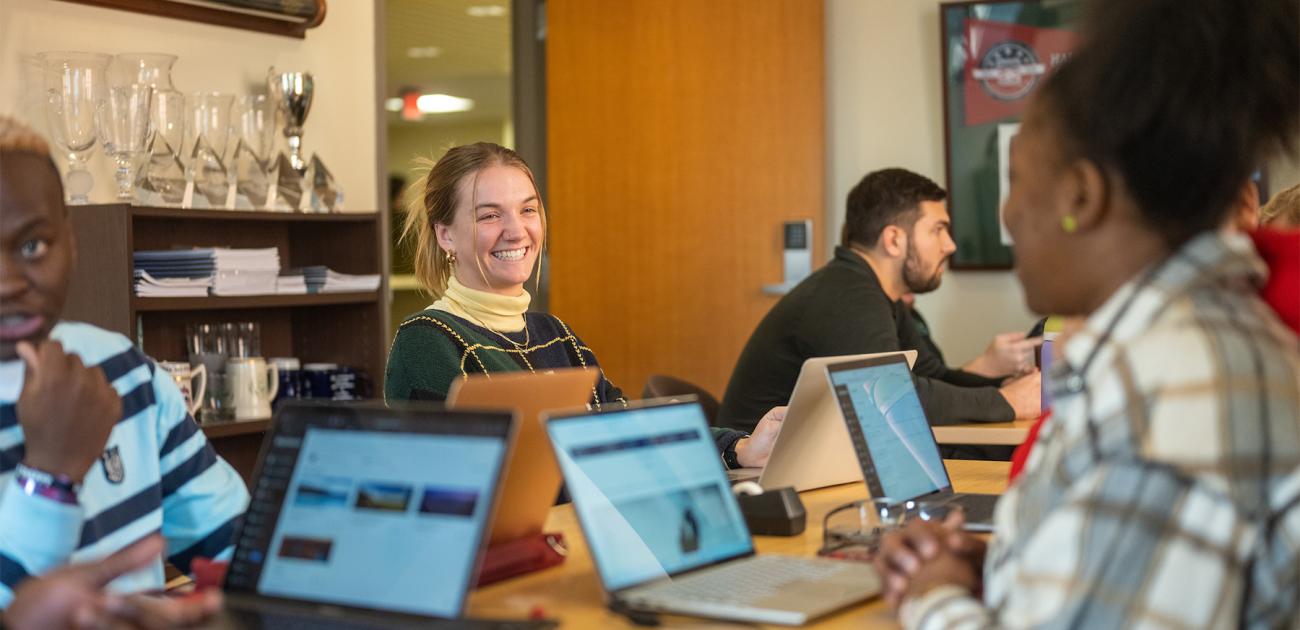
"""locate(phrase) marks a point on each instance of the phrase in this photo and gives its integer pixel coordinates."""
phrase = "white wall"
(1283, 173)
(884, 108)
(340, 54)
(407, 141)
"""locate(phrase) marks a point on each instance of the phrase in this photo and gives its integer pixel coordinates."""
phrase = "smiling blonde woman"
(478, 228)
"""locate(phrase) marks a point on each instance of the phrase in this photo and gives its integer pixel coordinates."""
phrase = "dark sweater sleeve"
(420, 365)
(929, 363)
(725, 439)
(865, 321)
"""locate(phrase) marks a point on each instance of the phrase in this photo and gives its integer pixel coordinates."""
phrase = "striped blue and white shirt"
(170, 480)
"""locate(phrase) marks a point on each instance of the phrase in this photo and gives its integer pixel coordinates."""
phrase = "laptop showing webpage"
(895, 446)
(370, 508)
(657, 511)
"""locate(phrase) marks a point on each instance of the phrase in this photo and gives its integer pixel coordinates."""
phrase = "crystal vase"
(75, 84)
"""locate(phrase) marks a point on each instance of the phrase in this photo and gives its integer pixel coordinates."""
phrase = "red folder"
(522, 555)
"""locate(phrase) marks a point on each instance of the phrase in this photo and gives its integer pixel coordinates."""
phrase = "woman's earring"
(1069, 224)
(451, 258)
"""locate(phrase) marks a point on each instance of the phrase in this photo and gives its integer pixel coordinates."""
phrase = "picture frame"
(995, 54)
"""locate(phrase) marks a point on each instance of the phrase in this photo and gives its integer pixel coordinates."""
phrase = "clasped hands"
(923, 555)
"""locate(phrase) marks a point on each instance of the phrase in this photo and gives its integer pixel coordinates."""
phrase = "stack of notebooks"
(291, 283)
(219, 270)
(321, 279)
(148, 286)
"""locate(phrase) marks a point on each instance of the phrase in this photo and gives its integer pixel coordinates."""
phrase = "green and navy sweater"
(433, 347)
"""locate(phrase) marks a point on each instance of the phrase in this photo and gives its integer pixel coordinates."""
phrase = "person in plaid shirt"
(1166, 489)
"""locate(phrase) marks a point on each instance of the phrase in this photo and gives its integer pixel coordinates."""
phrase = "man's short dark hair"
(887, 197)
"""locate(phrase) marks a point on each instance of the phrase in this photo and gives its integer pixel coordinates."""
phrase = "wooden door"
(681, 134)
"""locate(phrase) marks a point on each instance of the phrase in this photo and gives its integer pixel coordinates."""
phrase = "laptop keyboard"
(742, 582)
(283, 620)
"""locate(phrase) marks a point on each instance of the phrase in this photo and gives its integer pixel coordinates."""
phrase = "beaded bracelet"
(35, 482)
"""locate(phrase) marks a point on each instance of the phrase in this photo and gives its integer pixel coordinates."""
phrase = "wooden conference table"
(988, 433)
(571, 592)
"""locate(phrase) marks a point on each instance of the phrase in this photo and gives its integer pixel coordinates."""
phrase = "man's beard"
(914, 276)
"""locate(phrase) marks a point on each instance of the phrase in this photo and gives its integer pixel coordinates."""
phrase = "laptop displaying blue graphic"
(665, 532)
(371, 508)
(657, 497)
(895, 445)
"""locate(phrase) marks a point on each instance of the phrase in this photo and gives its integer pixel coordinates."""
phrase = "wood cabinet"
(345, 328)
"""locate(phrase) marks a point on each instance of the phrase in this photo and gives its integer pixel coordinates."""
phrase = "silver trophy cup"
(292, 92)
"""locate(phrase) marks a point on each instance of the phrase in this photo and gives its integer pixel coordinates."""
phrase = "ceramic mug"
(251, 385)
(290, 379)
(316, 380)
(184, 376)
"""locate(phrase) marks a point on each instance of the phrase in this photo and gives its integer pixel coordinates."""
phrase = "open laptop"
(893, 440)
(365, 516)
(667, 535)
(532, 479)
(813, 449)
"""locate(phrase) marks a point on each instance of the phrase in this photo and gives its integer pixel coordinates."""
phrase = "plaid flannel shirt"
(1165, 491)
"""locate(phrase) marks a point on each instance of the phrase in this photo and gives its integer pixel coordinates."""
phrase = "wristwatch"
(37, 482)
(729, 457)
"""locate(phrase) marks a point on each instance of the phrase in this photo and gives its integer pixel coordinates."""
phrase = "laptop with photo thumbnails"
(812, 451)
(667, 535)
(893, 440)
(364, 516)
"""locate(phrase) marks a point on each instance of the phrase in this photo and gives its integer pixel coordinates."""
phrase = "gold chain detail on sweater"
(470, 349)
(527, 335)
(522, 352)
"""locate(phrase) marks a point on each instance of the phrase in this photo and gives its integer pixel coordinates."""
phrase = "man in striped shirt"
(1165, 490)
(97, 449)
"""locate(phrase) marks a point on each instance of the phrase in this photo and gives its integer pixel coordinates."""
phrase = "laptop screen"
(650, 491)
(372, 508)
(899, 456)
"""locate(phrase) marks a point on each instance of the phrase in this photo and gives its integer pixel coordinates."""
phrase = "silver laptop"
(365, 516)
(893, 440)
(813, 449)
(667, 535)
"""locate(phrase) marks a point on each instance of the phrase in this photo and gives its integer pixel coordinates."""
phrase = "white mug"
(252, 385)
(184, 376)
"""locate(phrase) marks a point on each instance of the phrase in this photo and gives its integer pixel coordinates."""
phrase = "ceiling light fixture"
(486, 10)
(443, 104)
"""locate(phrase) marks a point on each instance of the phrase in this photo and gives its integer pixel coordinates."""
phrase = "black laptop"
(895, 445)
(364, 516)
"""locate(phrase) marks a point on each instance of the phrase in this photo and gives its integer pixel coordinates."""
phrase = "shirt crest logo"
(113, 468)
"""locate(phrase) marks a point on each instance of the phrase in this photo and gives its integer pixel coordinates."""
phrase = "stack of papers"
(321, 279)
(291, 284)
(226, 271)
(149, 286)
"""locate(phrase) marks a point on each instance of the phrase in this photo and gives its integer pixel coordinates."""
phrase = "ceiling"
(473, 59)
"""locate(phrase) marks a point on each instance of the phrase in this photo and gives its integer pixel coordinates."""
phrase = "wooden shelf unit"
(248, 301)
(344, 328)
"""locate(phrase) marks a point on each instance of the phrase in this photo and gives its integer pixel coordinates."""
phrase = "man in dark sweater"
(895, 240)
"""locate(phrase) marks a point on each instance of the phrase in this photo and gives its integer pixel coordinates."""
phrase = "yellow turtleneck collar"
(501, 313)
